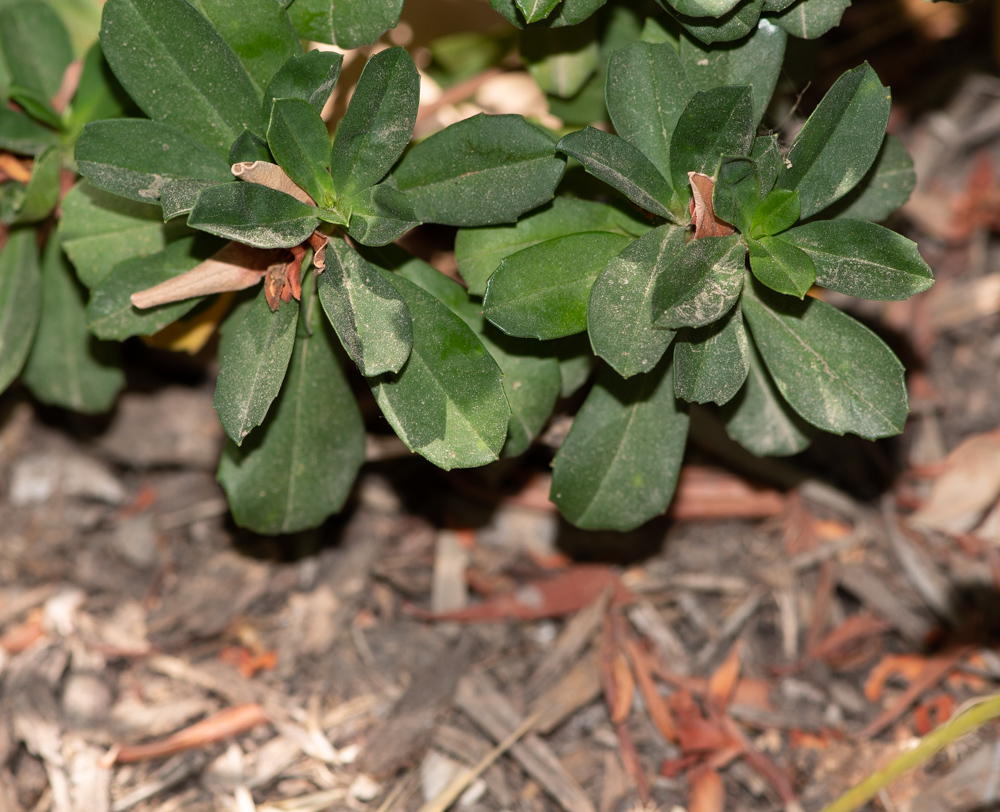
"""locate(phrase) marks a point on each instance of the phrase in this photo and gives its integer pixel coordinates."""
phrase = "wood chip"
(580, 686)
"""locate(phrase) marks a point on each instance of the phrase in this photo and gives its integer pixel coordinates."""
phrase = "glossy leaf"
(835, 372)
(701, 284)
(619, 317)
(110, 313)
(23, 135)
(68, 367)
(479, 251)
(250, 147)
(308, 76)
(574, 12)
(378, 122)
(447, 403)
(136, 158)
(253, 357)
(624, 167)
(618, 466)
(482, 171)
(297, 137)
(253, 214)
(535, 10)
(348, 25)
(368, 313)
(776, 212)
(732, 26)
(781, 266)
(711, 362)
(36, 47)
(767, 156)
(736, 195)
(42, 192)
(704, 8)
(715, 123)
(885, 187)
(379, 215)
(543, 291)
(862, 259)
(647, 90)
(20, 301)
(561, 60)
(808, 19)
(180, 71)
(839, 142)
(298, 467)
(760, 420)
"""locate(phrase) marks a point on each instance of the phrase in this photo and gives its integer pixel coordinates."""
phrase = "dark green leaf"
(715, 123)
(835, 372)
(737, 192)
(809, 19)
(308, 76)
(253, 357)
(482, 171)
(760, 420)
(586, 107)
(862, 259)
(349, 25)
(42, 193)
(180, 70)
(253, 214)
(136, 158)
(299, 141)
(776, 212)
(299, 466)
(67, 366)
(20, 301)
(379, 215)
(840, 140)
(711, 362)
(767, 155)
(732, 26)
(110, 313)
(647, 91)
(36, 106)
(781, 266)
(98, 95)
(574, 12)
(543, 291)
(618, 466)
(258, 31)
(561, 60)
(447, 403)
(23, 135)
(624, 167)
(378, 122)
(180, 196)
(249, 147)
(35, 47)
(576, 362)
(368, 313)
(535, 10)
(619, 317)
(701, 284)
(98, 230)
(704, 8)
(885, 187)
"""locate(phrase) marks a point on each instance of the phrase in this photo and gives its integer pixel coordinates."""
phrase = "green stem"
(967, 721)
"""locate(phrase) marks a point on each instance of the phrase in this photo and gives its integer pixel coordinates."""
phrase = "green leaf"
(379, 215)
(760, 420)
(258, 31)
(298, 467)
(776, 212)
(535, 10)
(250, 147)
(378, 123)
(624, 167)
(180, 71)
(253, 214)
(647, 91)
(447, 403)
(479, 251)
(482, 171)
(23, 135)
(574, 12)
(561, 60)
(308, 76)
(299, 141)
(36, 106)
(136, 158)
(781, 266)
(808, 19)
(98, 230)
(732, 26)
(862, 259)
(618, 466)
(704, 8)
(711, 362)
(839, 141)
(253, 357)
(368, 313)
(42, 192)
(619, 317)
(767, 156)
(35, 46)
(736, 195)
(715, 123)
(755, 60)
(82, 19)
(20, 301)
(835, 372)
(110, 313)
(543, 291)
(701, 284)
(885, 187)
(586, 107)
(348, 25)
(180, 196)
(576, 362)
(67, 366)
(98, 95)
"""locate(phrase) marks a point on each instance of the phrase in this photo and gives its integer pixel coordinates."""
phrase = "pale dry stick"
(460, 782)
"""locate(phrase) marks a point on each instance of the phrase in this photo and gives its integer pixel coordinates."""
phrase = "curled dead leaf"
(702, 214)
(271, 176)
